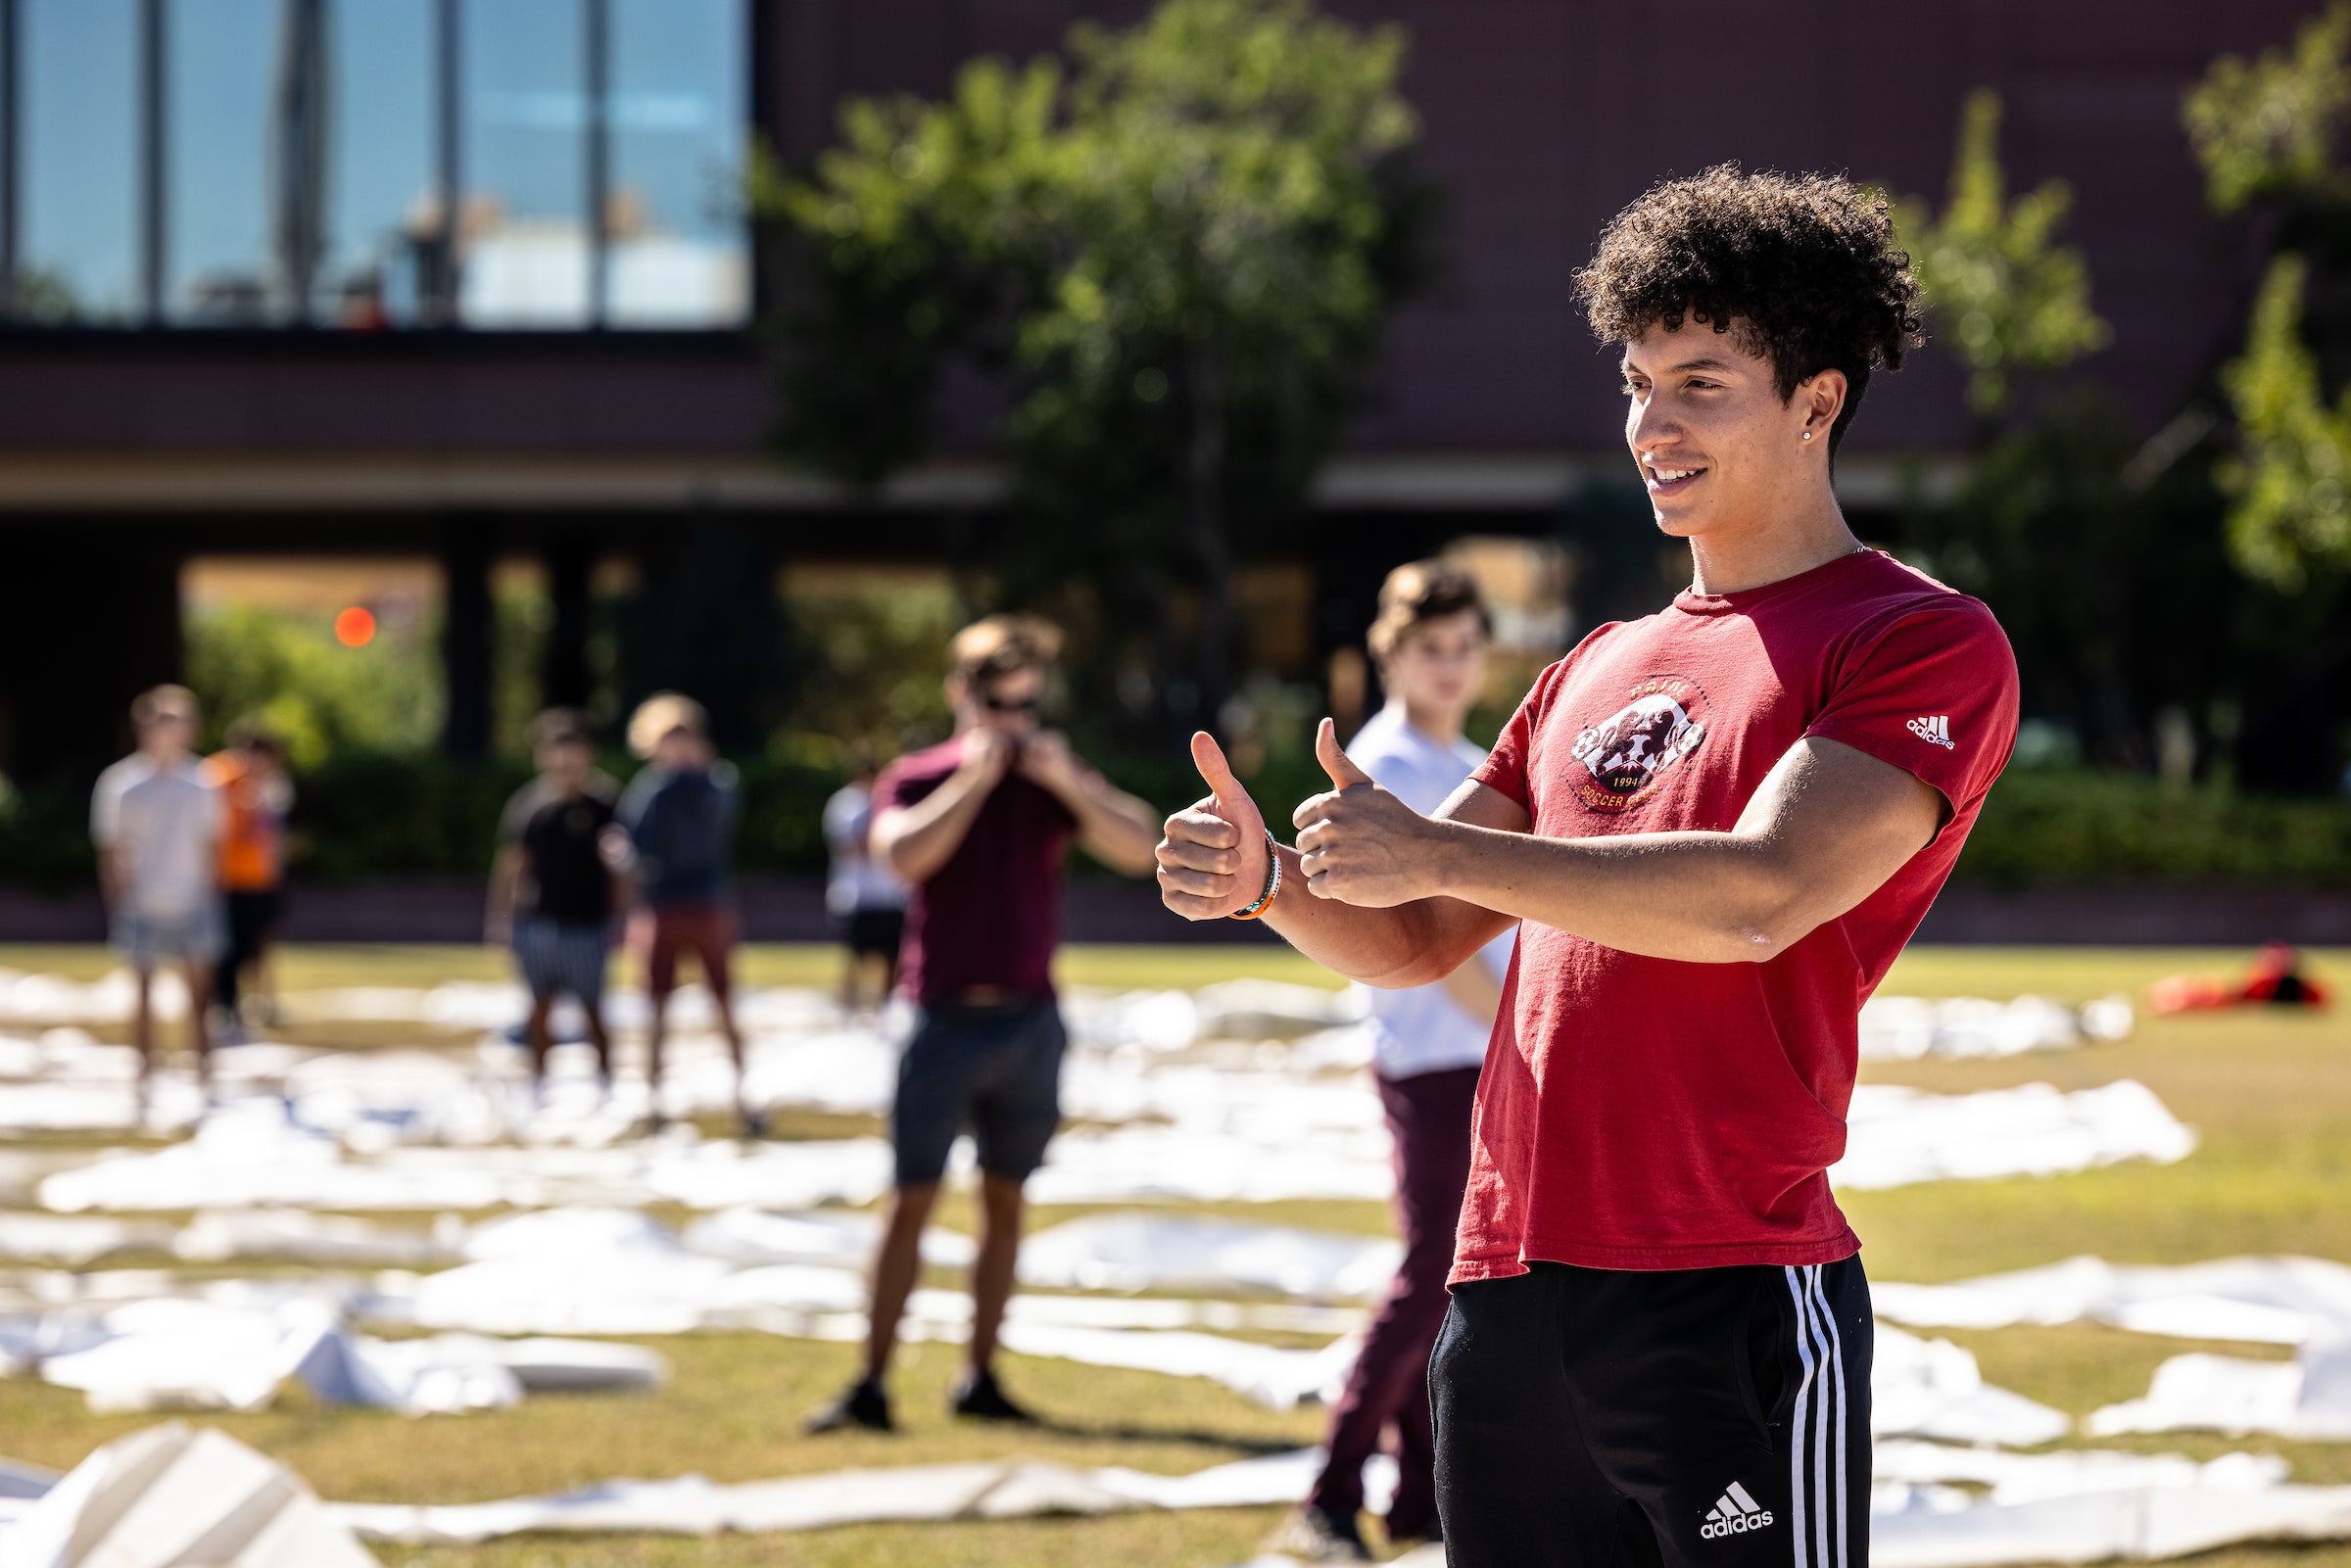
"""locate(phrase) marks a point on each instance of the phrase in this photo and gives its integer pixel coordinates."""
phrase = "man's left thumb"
(1344, 774)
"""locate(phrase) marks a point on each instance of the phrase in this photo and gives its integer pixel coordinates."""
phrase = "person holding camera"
(978, 826)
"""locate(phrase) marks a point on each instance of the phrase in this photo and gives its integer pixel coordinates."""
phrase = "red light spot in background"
(355, 628)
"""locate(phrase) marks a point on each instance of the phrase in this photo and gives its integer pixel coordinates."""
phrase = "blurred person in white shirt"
(1429, 643)
(865, 899)
(157, 821)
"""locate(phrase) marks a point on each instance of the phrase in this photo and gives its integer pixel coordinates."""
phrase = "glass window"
(79, 257)
(227, 65)
(678, 124)
(301, 153)
(523, 227)
(381, 213)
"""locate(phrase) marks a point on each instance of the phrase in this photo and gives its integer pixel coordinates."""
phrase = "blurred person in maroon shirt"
(979, 827)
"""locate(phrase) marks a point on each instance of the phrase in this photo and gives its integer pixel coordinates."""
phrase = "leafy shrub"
(2081, 826)
(45, 839)
(368, 815)
(326, 700)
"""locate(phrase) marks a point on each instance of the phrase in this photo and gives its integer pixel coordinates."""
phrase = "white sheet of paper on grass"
(1188, 1108)
(173, 1497)
(2266, 1301)
(2308, 1398)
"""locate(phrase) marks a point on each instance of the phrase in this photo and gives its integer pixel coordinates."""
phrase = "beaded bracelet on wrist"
(1265, 899)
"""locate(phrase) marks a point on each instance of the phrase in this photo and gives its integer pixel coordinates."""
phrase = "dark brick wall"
(1542, 116)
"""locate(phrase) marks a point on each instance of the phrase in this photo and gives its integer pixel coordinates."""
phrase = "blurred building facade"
(470, 278)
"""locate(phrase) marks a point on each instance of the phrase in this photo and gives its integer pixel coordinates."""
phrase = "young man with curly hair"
(1718, 823)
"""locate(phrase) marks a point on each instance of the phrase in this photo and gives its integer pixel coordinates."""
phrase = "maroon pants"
(1429, 1114)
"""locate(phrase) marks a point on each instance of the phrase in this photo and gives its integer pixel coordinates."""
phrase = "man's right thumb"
(1209, 758)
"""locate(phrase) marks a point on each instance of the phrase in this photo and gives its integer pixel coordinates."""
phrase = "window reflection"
(523, 224)
(678, 123)
(304, 146)
(225, 263)
(79, 257)
(381, 210)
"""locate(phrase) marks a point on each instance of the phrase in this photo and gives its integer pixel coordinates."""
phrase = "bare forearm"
(1828, 827)
(1699, 897)
(916, 840)
(1115, 828)
(1381, 947)
(505, 877)
(1475, 989)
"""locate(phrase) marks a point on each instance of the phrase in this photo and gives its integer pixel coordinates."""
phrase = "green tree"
(324, 698)
(1172, 254)
(2002, 292)
(2266, 129)
(2102, 581)
(2292, 475)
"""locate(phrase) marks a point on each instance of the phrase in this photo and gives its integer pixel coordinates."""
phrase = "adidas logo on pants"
(1735, 1514)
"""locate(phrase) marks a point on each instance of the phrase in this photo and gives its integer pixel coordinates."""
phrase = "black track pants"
(1697, 1419)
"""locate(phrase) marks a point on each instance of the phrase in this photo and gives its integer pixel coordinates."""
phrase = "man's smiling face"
(1718, 444)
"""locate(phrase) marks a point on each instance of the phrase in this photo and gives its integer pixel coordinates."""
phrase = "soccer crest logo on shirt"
(1629, 753)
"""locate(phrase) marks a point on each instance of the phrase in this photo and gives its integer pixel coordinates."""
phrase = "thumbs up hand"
(1213, 860)
(1344, 774)
(1358, 843)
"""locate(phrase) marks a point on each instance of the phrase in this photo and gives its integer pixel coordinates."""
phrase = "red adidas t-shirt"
(1653, 1113)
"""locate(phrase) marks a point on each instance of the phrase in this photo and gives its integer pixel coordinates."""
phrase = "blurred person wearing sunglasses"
(979, 827)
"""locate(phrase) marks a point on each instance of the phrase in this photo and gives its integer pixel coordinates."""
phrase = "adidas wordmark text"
(1734, 1513)
(1936, 731)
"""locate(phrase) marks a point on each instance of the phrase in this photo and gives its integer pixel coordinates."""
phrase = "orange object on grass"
(2276, 980)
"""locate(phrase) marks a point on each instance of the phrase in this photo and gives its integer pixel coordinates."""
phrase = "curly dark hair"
(1804, 266)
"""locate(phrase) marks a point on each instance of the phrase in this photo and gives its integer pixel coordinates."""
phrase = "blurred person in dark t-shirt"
(680, 814)
(979, 826)
(559, 880)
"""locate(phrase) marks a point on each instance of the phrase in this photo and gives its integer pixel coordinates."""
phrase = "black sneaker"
(979, 1396)
(1315, 1535)
(863, 1404)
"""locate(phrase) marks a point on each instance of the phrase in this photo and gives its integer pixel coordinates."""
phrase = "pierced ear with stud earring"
(1807, 435)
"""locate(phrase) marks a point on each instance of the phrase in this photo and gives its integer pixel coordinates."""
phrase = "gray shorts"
(993, 1069)
(145, 942)
(557, 959)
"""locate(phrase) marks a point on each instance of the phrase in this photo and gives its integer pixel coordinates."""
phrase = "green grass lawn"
(2270, 1095)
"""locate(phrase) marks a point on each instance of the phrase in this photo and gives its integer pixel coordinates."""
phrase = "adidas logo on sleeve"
(1935, 732)
(1734, 1513)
